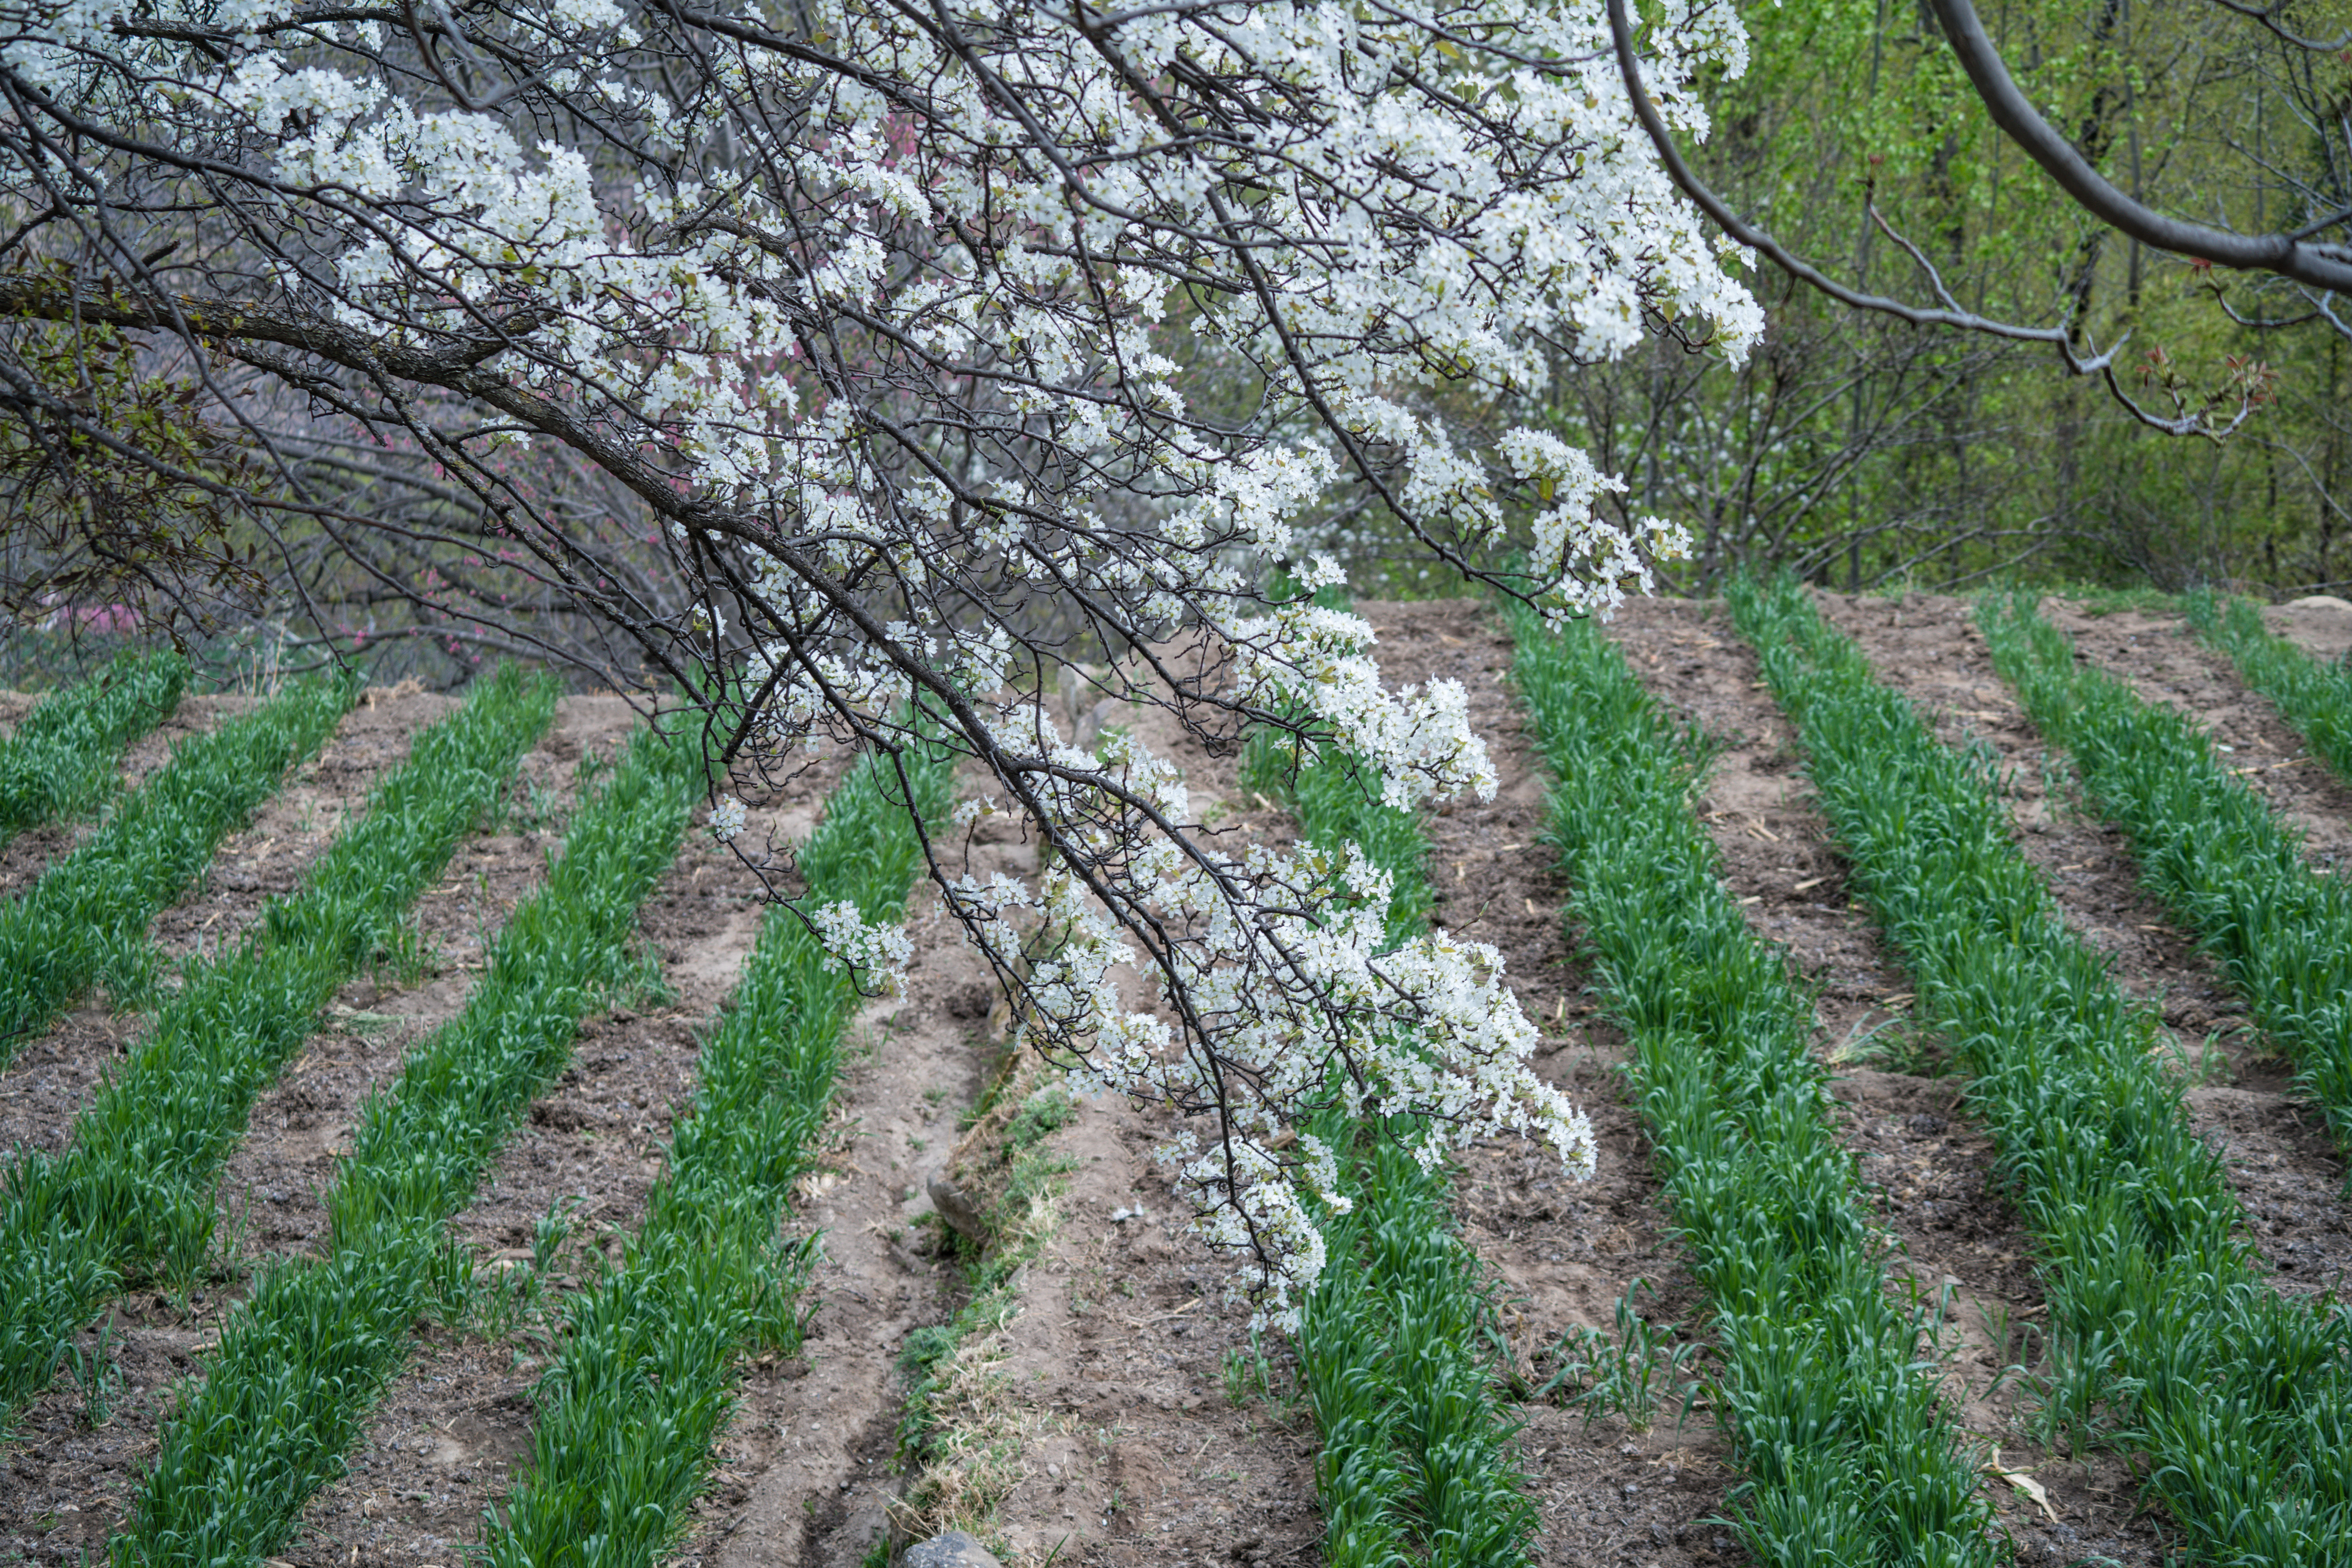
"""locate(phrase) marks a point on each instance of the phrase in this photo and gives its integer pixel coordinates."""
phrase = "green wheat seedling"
(86, 919)
(133, 1194)
(2207, 847)
(1821, 1383)
(62, 760)
(1627, 1376)
(301, 1363)
(1418, 1455)
(2315, 698)
(2163, 1339)
(646, 1378)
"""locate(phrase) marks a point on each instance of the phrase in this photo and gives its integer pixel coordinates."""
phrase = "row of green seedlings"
(303, 1360)
(2314, 698)
(1825, 1383)
(2165, 1341)
(2207, 846)
(634, 1404)
(62, 760)
(85, 921)
(1401, 1352)
(132, 1194)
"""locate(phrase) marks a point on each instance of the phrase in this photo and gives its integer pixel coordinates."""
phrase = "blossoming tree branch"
(942, 346)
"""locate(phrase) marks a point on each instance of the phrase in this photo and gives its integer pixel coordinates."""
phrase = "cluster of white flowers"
(1277, 959)
(879, 953)
(940, 339)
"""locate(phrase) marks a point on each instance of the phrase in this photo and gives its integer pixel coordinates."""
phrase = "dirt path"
(808, 1477)
(2281, 1163)
(1930, 1167)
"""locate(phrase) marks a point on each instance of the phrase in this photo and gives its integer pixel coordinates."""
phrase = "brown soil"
(2321, 623)
(805, 1463)
(1114, 1376)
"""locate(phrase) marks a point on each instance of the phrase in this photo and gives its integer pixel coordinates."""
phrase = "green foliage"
(136, 1189)
(61, 761)
(1417, 1459)
(301, 1363)
(1823, 1389)
(2165, 1338)
(86, 919)
(2206, 844)
(647, 1376)
(1627, 1376)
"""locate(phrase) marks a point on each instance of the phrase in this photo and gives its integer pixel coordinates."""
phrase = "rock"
(953, 1549)
(957, 1209)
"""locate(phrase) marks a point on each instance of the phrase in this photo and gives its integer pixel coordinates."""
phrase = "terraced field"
(416, 1145)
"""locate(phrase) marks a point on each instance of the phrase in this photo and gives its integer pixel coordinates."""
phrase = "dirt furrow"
(807, 1472)
(271, 1188)
(2282, 1165)
(1960, 1245)
(1565, 1253)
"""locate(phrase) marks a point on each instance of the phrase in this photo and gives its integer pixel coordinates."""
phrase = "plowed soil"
(1126, 1416)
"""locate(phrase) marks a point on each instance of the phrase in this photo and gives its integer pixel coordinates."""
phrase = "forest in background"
(1864, 451)
(1861, 451)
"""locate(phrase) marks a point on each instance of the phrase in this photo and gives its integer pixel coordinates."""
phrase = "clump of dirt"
(2320, 624)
